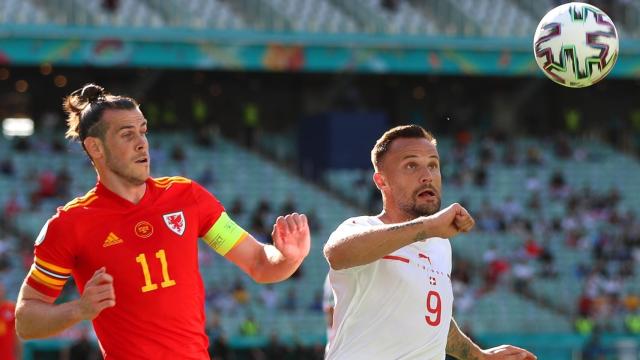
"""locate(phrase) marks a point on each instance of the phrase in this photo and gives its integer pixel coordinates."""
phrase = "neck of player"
(393, 216)
(132, 192)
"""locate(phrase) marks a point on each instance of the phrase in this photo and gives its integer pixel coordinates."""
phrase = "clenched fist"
(450, 221)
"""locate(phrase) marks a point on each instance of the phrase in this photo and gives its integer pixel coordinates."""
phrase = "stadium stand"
(557, 240)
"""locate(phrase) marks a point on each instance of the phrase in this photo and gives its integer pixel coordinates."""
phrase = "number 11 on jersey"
(166, 280)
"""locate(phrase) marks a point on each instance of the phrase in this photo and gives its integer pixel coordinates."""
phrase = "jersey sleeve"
(350, 227)
(53, 257)
(215, 226)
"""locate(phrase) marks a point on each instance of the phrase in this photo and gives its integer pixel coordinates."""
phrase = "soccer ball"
(576, 45)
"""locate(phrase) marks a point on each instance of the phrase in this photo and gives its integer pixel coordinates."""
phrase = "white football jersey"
(397, 307)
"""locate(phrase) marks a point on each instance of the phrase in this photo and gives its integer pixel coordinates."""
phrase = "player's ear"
(94, 147)
(379, 180)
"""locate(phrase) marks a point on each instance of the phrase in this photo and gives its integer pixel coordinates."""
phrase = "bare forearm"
(373, 244)
(37, 319)
(273, 266)
(460, 346)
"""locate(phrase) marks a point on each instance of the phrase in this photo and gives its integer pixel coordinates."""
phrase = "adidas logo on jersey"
(112, 239)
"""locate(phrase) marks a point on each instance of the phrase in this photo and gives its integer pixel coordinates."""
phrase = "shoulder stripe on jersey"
(170, 179)
(51, 267)
(164, 182)
(81, 201)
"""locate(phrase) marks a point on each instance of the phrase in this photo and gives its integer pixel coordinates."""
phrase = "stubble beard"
(128, 175)
(415, 211)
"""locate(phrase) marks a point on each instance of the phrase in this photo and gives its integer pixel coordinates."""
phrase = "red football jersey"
(150, 249)
(8, 335)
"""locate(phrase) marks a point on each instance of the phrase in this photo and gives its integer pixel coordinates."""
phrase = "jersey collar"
(103, 191)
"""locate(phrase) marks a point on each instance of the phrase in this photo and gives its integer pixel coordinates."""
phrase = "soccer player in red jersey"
(131, 245)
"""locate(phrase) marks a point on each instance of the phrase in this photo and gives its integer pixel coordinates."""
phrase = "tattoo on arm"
(420, 235)
(459, 345)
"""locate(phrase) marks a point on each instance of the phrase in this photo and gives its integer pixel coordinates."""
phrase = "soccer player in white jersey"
(391, 273)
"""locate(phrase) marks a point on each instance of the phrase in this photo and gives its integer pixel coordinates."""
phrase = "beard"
(127, 173)
(417, 210)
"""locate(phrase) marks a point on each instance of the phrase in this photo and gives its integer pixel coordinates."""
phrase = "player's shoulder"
(354, 225)
(78, 203)
(170, 181)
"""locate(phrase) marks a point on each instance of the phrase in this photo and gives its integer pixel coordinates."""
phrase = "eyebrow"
(144, 124)
(415, 156)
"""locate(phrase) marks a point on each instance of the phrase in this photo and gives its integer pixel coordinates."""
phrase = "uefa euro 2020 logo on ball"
(576, 45)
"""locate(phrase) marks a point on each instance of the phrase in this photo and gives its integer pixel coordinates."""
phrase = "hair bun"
(91, 93)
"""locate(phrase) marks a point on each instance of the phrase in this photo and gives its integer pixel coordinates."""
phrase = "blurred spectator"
(558, 186)
(532, 249)
(290, 302)
(178, 154)
(158, 155)
(632, 302)
(6, 167)
(510, 156)
(390, 5)
(9, 343)
(288, 206)
(313, 220)
(110, 5)
(46, 186)
(206, 178)
(562, 147)
(532, 182)
(632, 322)
(237, 207)
(522, 275)
(218, 346)
(463, 294)
(585, 305)
(240, 293)
(269, 297)
(546, 259)
(593, 348)
(497, 266)
(249, 327)
(510, 209)
(63, 183)
(22, 145)
(316, 302)
(251, 123)
(487, 218)
(82, 348)
(480, 176)
(275, 349)
(534, 156)
(13, 206)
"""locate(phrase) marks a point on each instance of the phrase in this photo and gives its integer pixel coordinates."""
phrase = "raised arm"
(461, 347)
(373, 243)
(37, 316)
(273, 263)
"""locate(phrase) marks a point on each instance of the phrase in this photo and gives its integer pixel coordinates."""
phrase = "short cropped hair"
(405, 131)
